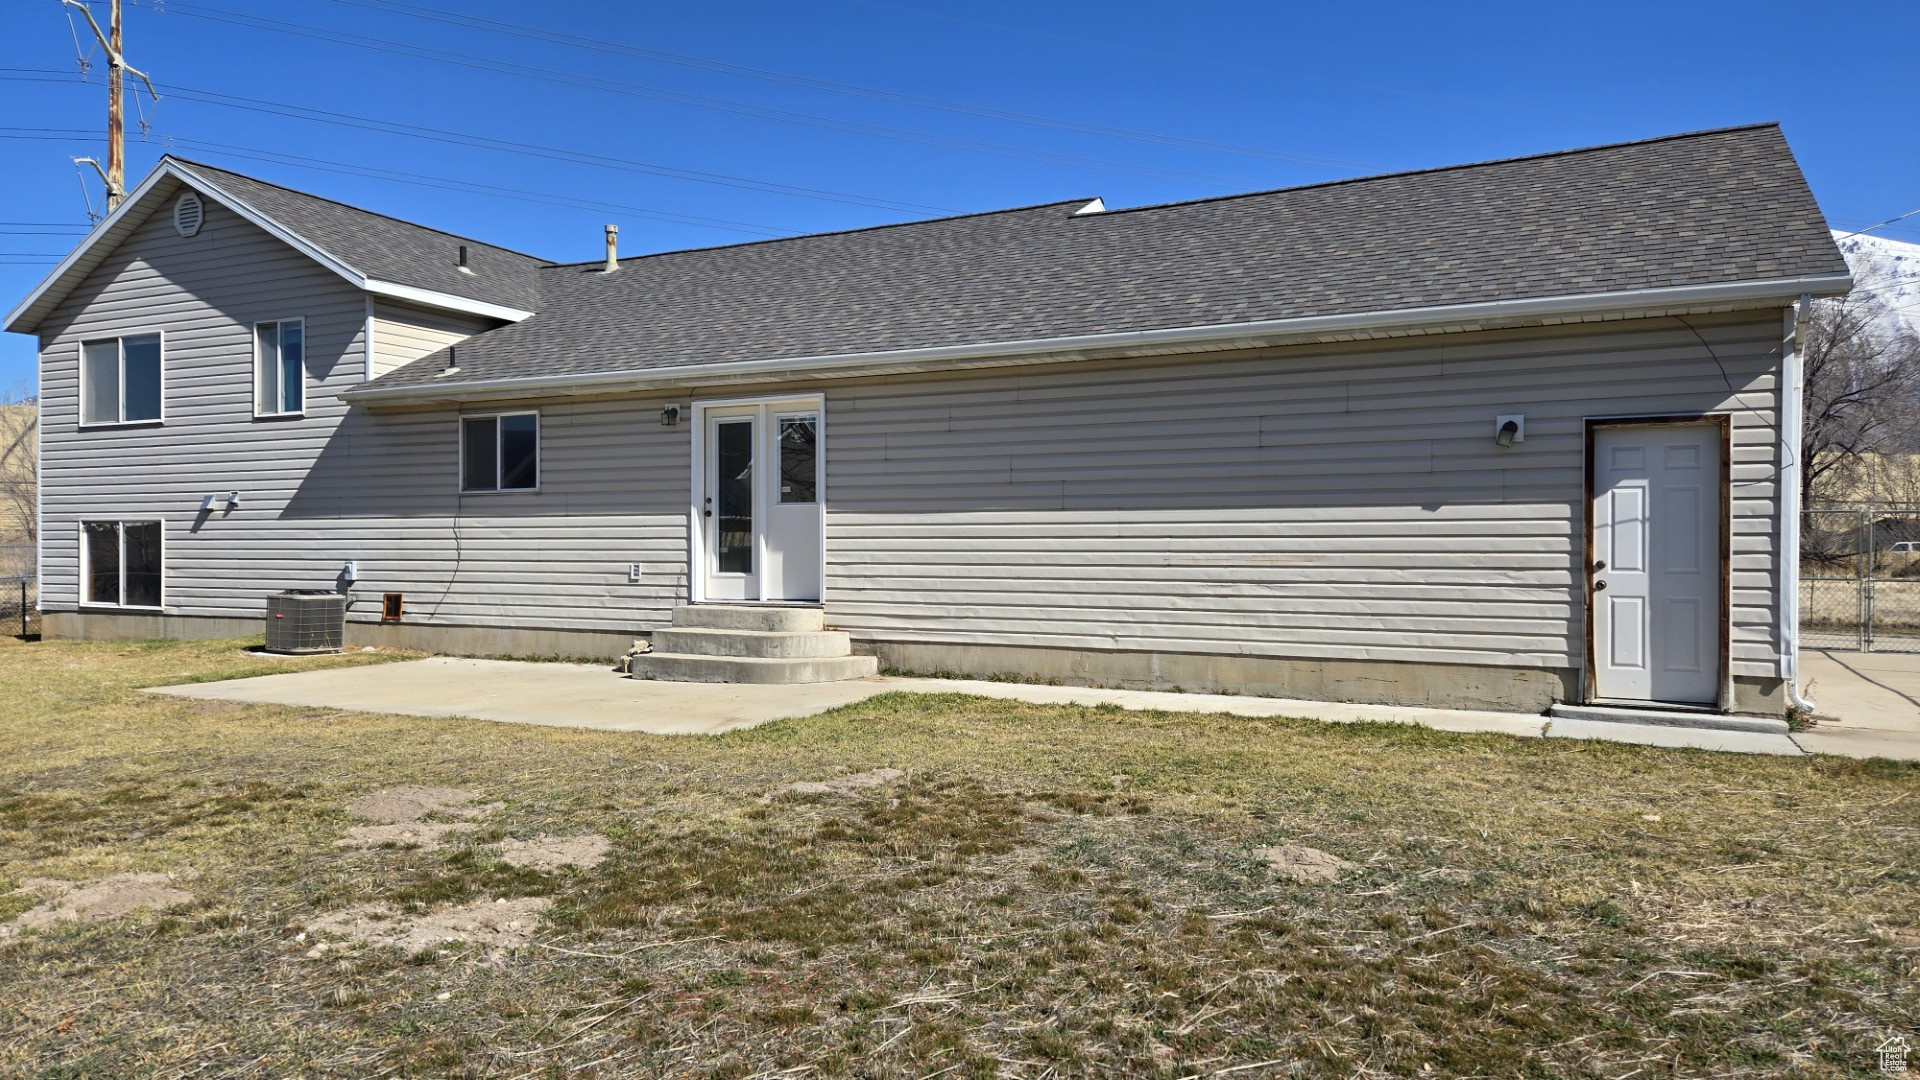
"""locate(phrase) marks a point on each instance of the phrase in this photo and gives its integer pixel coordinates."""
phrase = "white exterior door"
(759, 489)
(1656, 584)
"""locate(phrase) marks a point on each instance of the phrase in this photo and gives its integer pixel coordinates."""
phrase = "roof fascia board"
(447, 301)
(1252, 334)
(278, 231)
(186, 175)
(87, 243)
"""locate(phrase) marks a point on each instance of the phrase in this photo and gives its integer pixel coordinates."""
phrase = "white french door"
(1656, 585)
(759, 489)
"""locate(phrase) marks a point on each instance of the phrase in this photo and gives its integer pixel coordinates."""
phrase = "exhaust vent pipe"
(613, 248)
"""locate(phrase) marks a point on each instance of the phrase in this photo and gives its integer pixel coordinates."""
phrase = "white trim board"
(26, 316)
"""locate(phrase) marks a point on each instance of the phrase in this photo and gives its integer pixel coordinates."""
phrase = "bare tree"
(1862, 395)
(19, 483)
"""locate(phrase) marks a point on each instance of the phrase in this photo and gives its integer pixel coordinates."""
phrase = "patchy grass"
(1044, 891)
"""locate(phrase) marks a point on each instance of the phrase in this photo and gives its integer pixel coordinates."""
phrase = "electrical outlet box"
(633, 572)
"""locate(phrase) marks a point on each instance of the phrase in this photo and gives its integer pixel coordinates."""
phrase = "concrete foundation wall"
(450, 640)
(1447, 686)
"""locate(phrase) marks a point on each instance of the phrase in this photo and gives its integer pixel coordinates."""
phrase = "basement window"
(120, 563)
(500, 452)
(120, 380)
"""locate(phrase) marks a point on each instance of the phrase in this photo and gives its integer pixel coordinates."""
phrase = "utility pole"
(115, 173)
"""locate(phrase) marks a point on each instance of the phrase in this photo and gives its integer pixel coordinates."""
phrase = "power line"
(1877, 225)
(701, 63)
(298, 161)
(536, 150)
(726, 105)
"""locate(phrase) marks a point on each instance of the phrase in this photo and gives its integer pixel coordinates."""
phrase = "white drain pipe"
(1792, 416)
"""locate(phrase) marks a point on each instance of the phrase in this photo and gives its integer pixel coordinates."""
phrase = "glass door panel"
(733, 532)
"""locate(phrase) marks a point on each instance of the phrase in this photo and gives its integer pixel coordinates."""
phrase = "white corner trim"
(366, 340)
(1080, 347)
(1097, 206)
(447, 301)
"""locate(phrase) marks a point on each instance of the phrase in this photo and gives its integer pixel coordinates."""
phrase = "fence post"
(23, 609)
(1863, 572)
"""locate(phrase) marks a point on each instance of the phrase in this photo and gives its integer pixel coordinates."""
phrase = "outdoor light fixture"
(670, 416)
(1508, 430)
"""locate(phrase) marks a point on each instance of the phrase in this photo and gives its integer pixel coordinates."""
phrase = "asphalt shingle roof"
(389, 249)
(1703, 208)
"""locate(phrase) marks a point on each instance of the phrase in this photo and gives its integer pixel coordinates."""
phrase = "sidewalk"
(1868, 702)
(592, 696)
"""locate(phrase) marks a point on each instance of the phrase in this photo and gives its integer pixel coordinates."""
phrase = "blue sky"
(843, 113)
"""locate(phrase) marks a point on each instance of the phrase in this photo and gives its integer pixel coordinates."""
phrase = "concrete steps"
(715, 643)
(1671, 717)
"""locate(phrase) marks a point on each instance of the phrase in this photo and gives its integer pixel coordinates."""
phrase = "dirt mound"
(1297, 862)
(584, 851)
(106, 898)
(842, 785)
(425, 835)
(399, 805)
(495, 925)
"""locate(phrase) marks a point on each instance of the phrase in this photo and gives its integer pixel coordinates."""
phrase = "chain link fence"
(20, 606)
(1860, 579)
(19, 590)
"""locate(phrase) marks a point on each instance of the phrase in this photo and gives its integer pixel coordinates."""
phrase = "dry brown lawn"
(1040, 891)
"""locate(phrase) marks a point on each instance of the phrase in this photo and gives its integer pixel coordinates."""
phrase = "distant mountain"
(1886, 276)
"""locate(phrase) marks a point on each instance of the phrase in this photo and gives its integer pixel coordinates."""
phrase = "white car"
(1906, 547)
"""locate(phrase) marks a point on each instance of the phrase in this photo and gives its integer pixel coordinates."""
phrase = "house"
(1498, 435)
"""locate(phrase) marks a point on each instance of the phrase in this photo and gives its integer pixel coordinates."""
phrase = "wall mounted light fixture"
(670, 416)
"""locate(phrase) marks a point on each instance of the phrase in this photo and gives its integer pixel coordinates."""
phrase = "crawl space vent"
(187, 214)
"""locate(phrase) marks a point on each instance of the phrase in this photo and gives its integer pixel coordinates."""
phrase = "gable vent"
(188, 214)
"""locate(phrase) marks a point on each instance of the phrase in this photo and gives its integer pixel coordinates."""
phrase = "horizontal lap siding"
(403, 333)
(1344, 501)
(1307, 502)
(333, 486)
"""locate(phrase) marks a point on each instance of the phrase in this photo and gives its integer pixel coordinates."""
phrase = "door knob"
(1599, 566)
(1599, 586)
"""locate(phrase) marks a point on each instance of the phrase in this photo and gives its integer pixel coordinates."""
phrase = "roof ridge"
(191, 163)
(1513, 159)
(836, 232)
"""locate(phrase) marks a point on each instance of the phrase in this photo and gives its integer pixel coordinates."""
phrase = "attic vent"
(188, 214)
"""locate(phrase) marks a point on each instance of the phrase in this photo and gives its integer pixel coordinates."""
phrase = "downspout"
(1792, 394)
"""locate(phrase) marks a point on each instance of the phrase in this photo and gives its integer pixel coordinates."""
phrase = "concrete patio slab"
(554, 695)
(1871, 701)
(594, 697)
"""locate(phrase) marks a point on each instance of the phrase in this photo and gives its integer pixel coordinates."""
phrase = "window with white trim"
(120, 563)
(500, 452)
(120, 380)
(280, 368)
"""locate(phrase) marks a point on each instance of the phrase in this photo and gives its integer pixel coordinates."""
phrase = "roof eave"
(27, 316)
(1248, 335)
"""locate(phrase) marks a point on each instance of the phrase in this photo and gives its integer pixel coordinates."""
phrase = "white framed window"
(280, 368)
(121, 564)
(500, 452)
(120, 380)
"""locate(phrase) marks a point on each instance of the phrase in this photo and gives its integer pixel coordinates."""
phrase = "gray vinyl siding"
(1320, 501)
(332, 486)
(1345, 502)
(403, 333)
